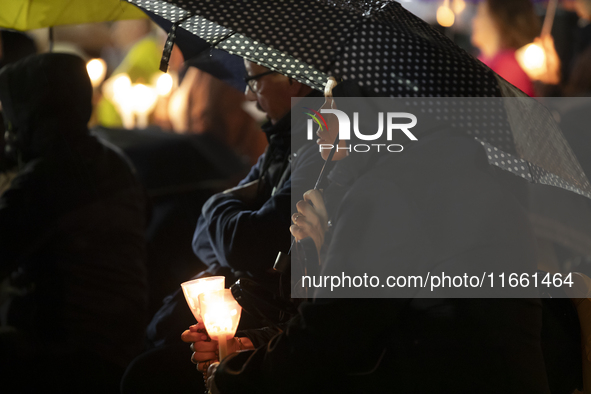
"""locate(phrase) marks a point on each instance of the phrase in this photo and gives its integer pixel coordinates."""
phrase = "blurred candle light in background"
(121, 87)
(135, 102)
(164, 84)
(458, 6)
(143, 97)
(445, 16)
(193, 288)
(118, 90)
(221, 315)
(97, 69)
(533, 57)
(539, 59)
(144, 100)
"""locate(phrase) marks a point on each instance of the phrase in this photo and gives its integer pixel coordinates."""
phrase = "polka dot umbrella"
(379, 44)
(388, 52)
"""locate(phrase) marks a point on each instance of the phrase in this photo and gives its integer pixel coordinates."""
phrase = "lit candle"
(193, 288)
(221, 315)
(532, 59)
(97, 69)
(144, 100)
(164, 84)
(118, 90)
(539, 59)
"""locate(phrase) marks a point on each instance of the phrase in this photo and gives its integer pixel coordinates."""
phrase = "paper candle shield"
(193, 288)
(221, 313)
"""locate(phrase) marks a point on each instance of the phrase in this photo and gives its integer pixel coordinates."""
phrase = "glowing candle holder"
(221, 315)
(193, 288)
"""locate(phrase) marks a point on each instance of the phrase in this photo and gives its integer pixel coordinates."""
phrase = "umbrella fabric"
(198, 53)
(189, 44)
(310, 40)
(221, 65)
(35, 14)
(388, 52)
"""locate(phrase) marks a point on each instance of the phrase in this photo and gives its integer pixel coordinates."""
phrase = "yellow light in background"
(143, 98)
(458, 6)
(164, 84)
(533, 56)
(445, 16)
(118, 90)
(121, 88)
(97, 69)
(532, 60)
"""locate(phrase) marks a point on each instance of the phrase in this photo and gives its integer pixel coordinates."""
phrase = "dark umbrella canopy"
(387, 51)
(189, 44)
(221, 65)
(379, 44)
(199, 53)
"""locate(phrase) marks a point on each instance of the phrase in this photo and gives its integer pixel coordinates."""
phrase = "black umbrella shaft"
(321, 177)
(328, 160)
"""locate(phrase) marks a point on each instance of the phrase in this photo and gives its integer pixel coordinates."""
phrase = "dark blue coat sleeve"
(244, 239)
(202, 245)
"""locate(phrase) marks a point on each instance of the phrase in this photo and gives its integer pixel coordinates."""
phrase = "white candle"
(221, 315)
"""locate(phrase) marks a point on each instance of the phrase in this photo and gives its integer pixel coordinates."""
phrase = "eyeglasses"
(251, 82)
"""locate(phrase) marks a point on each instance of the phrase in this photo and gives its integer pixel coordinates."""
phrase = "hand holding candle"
(205, 350)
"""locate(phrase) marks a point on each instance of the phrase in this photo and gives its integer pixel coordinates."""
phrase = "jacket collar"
(281, 133)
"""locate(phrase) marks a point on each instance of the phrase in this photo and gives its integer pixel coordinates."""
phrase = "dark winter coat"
(236, 239)
(233, 236)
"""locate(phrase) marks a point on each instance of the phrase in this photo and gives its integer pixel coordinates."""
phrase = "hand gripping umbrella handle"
(282, 263)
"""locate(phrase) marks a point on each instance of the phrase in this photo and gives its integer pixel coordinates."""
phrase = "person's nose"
(249, 94)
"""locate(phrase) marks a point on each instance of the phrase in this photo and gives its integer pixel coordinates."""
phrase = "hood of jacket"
(46, 100)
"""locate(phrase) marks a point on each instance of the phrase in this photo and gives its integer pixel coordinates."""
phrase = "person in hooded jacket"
(72, 249)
